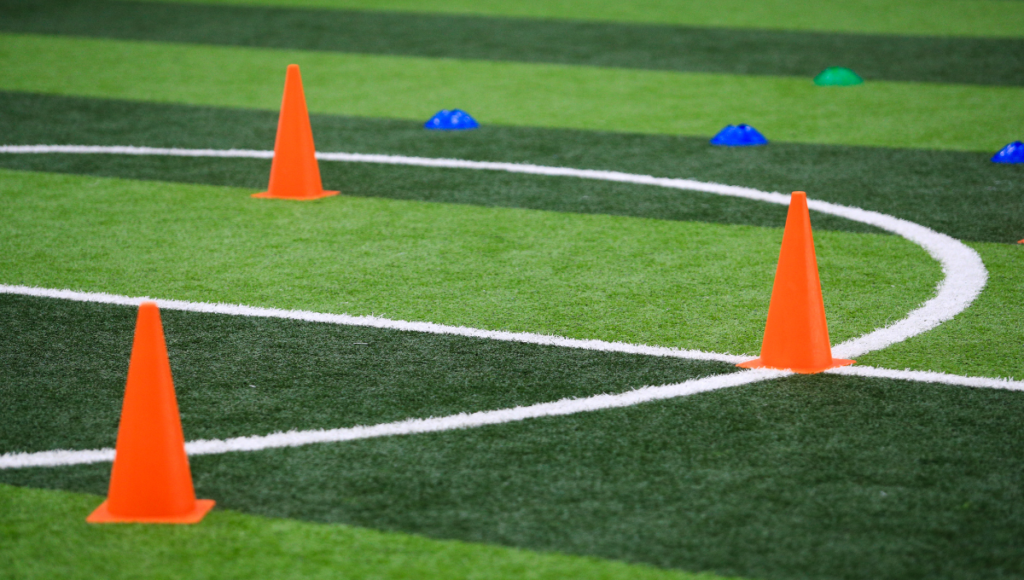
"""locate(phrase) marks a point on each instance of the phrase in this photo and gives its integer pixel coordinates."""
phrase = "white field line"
(412, 426)
(964, 273)
(964, 278)
(468, 420)
(929, 377)
(374, 322)
(524, 337)
(132, 150)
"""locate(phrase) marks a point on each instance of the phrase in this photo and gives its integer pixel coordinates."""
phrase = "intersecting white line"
(964, 278)
(568, 406)
(964, 273)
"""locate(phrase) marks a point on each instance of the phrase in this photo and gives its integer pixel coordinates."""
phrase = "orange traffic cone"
(294, 173)
(151, 481)
(796, 335)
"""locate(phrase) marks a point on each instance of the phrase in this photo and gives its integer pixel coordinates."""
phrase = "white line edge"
(964, 273)
(373, 322)
(964, 278)
(567, 406)
(58, 458)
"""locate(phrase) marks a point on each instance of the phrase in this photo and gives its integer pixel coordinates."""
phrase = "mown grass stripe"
(232, 545)
(960, 194)
(996, 18)
(500, 93)
(813, 476)
(369, 322)
(753, 52)
(237, 376)
(986, 339)
(579, 276)
(965, 275)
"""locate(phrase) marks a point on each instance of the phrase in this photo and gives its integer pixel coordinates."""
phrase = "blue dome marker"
(739, 136)
(454, 120)
(1012, 153)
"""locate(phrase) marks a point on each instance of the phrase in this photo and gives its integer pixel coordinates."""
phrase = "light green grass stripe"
(787, 109)
(928, 17)
(45, 536)
(985, 340)
(685, 284)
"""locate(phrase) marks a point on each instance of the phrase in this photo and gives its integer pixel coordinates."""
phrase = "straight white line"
(964, 273)
(964, 278)
(524, 337)
(929, 377)
(55, 458)
(132, 150)
(412, 426)
(374, 322)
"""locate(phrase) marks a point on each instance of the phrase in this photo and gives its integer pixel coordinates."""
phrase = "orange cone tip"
(796, 334)
(150, 481)
(294, 173)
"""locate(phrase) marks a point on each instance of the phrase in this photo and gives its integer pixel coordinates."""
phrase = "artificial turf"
(686, 284)
(64, 366)
(824, 477)
(984, 61)
(814, 476)
(45, 536)
(987, 339)
(957, 193)
(997, 18)
(937, 116)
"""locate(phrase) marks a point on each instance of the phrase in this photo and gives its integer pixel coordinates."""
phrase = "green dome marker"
(837, 76)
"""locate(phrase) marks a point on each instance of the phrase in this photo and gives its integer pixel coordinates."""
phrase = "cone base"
(102, 515)
(759, 364)
(267, 194)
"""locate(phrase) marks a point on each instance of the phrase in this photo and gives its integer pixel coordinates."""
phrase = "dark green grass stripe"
(487, 188)
(809, 477)
(228, 545)
(961, 194)
(63, 367)
(756, 52)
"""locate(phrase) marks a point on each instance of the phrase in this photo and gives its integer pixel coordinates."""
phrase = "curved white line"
(965, 276)
(412, 426)
(964, 273)
(570, 406)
